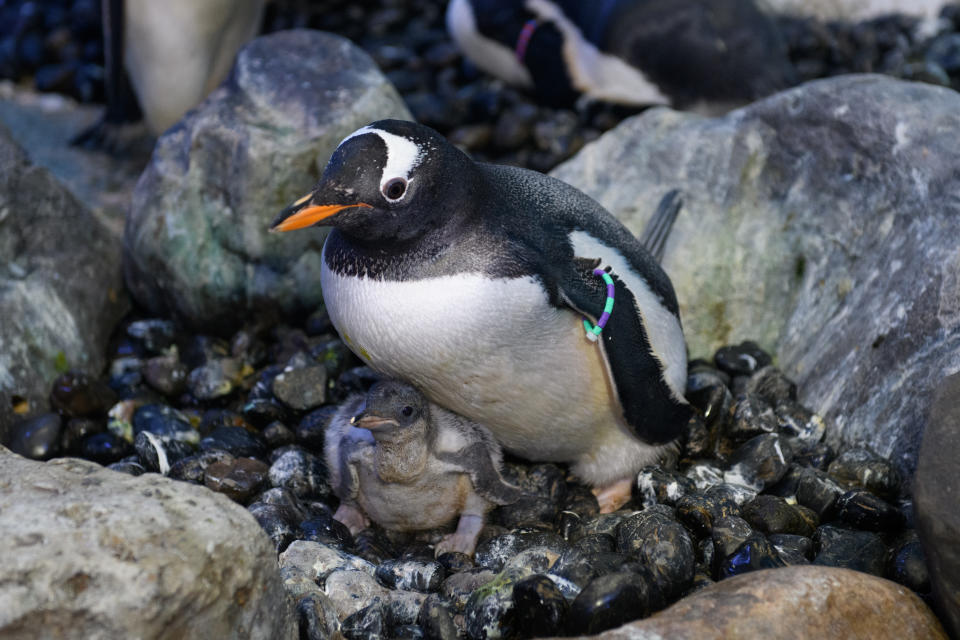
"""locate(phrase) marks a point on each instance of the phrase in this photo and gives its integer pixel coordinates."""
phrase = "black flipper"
(474, 459)
(122, 108)
(648, 403)
(658, 229)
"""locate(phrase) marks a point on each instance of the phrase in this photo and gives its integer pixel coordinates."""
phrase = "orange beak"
(293, 217)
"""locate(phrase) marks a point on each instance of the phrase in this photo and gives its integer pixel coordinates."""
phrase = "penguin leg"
(614, 495)
(351, 516)
(464, 539)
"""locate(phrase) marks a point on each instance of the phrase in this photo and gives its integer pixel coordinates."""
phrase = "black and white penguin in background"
(702, 54)
(175, 52)
(473, 283)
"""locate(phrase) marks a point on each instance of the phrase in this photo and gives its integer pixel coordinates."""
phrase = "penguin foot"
(614, 495)
(464, 539)
(352, 517)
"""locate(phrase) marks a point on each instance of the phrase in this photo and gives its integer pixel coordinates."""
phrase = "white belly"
(493, 350)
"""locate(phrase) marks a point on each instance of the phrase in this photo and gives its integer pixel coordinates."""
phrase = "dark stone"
(539, 608)
(659, 486)
(280, 522)
(792, 549)
(495, 552)
(436, 620)
(165, 421)
(772, 386)
(301, 472)
(238, 480)
(580, 500)
(754, 554)
(454, 561)
(277, 434)
(166, 374)
(752, 417)
(128, 466)
(743, 359)
(368, 623)
(216, 378)
(155, 334)
(37, 438)
(78, 394)
(772, 514)
(817, 455)
(582, 566)
(863, 510)
(193, 468)
(302, 389)
(312, 429)
(800, 424)
(104, 448)
(865, 469)
(760, 462)
(407, 632)
(857, 550)
(908, 566)
(159, 454)
(698, 512)
(488, 612)
(372, 545)
(412, 575)
(728, 534)
(323, 528)
(236, 441)
(936, 487)
(610, 601)
(816, 490)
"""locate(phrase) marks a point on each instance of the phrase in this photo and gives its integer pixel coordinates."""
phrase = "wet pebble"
(236, 441)
(158, 453)
(863, 510)
(164, 421)
(489, 609)
(792, 549)
(301, 472)
(216, 378)
(166, 374)
(193, 468)
(323, 528)
(78, 394)
(411, 575)
(760, 462)
(497, 551)
(436, 620)
(864, 469)
(741, 360)
(302, 389)
(857, 550)
(155, 334)
(368, 623)
(317, 617)
(753, 554)
(238, 480)
(312, 429)
(37, 438)
(728, 534)
(772, 514)
(104, 448)
(699, 512)
(818, 491)
(610, 601)
(539, 608)
(659, 486)
(908, 565)
(129, 466)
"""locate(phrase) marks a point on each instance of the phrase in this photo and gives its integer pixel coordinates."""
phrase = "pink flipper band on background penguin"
(593, 332)
(523, 40)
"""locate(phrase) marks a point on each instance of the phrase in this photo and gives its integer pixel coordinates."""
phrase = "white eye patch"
(403, 154)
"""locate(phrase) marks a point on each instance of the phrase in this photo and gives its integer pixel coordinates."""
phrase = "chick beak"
(365, 420)
(303, 214)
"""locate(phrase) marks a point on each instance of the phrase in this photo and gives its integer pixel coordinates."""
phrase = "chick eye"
(407, 411)
(395, 188)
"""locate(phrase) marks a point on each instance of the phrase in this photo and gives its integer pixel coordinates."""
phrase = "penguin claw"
(614, 495)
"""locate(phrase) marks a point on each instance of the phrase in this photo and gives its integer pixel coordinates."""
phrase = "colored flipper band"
(523, 40)
(593, 331)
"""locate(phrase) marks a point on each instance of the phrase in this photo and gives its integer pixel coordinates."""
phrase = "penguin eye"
(407, 411)
(395, 188)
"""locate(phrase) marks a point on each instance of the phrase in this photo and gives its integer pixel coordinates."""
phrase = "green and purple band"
(593, 331)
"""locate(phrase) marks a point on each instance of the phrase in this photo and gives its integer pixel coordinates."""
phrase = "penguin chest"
(429, 501)
(493, 350)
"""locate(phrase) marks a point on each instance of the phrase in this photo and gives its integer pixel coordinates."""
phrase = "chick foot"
(352, 517)
(464, 539)
(614, 495)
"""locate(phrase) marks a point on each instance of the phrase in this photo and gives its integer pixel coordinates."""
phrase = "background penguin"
(175, 52)
(409, 465)
(636, 52)
(471, 281)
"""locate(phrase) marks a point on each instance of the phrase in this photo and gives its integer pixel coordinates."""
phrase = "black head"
(391, 180)
(391, 405)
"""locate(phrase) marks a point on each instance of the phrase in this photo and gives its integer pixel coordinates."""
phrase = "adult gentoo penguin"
(688, 53)
(471, 281)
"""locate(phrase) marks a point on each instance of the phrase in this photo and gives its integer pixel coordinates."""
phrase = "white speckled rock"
(822, 222)
(90, 553)
(318, 560)
(352, 590)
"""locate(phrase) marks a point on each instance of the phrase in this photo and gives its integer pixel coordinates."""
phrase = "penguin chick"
(472, 282)
(410, 465)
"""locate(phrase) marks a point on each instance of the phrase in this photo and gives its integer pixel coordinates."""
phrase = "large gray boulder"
(61, 291)
(196, 242)
(92, 553)
(822, 222)
(937, 494)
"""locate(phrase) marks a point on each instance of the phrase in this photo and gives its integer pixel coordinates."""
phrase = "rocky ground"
(763, 481)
